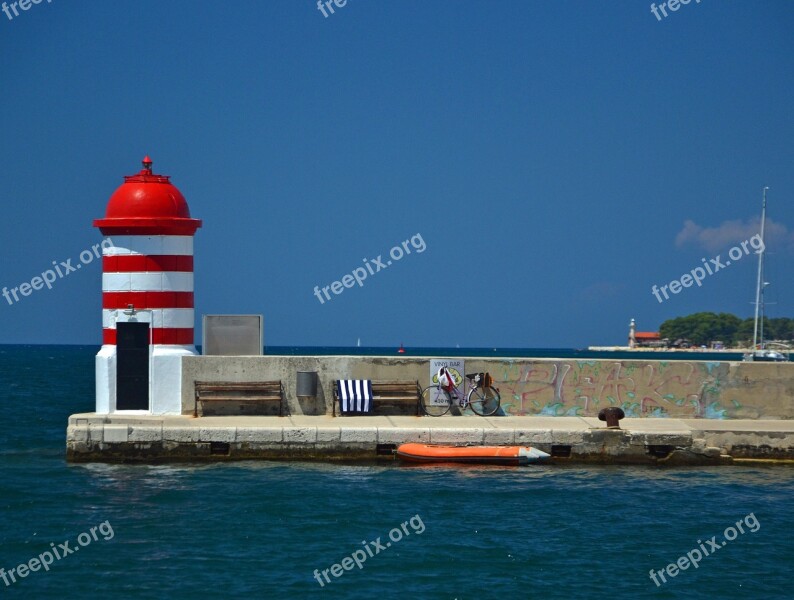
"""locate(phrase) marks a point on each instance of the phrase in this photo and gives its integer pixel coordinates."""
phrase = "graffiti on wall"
(642, 389)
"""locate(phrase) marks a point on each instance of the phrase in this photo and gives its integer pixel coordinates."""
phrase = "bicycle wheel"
(484, 401)
(435, 401)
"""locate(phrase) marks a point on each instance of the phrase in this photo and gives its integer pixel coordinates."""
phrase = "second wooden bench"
(390, 392)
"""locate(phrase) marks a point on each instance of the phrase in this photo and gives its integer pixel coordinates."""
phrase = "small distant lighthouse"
(147, 296)
(632, 334)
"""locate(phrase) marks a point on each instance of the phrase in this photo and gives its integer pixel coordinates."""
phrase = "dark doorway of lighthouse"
(132, 370)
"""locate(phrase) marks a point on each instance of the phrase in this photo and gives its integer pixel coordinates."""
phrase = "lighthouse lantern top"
(147, 204)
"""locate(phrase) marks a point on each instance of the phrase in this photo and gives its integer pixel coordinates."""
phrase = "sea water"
(314, 530)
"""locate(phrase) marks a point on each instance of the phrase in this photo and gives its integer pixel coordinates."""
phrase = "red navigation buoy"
(401, 350)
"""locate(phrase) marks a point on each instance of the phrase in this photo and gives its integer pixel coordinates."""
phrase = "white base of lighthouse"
(165, 380)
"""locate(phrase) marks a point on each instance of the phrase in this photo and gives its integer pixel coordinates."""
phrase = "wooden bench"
(245, 395)
(386, 393)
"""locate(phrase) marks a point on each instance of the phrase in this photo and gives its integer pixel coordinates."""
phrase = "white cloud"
(730, 233)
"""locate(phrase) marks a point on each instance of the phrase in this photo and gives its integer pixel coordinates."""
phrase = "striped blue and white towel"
(355, 396)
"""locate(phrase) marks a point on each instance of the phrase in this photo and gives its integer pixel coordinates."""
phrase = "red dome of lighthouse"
(147, 204)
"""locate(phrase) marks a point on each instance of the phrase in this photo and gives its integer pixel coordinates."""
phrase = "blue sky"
(558, 159)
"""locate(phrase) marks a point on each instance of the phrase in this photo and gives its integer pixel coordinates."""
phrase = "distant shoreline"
(591, 353)
(627, 349)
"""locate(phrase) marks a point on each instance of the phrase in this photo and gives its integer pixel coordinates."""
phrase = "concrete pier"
(677, 412)
(152, 389)
(149, 439)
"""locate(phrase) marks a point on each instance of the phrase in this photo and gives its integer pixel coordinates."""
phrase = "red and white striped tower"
(147, 277)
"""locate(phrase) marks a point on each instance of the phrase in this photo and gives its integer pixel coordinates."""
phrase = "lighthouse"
(147, 296)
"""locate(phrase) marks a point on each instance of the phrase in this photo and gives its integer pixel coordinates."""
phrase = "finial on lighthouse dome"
(147, 204)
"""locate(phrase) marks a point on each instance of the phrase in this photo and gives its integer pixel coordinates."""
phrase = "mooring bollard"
(611, 415)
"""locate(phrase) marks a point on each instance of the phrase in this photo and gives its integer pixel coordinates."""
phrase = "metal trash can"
(306, 384)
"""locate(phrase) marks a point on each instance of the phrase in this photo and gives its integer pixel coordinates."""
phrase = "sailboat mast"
(762, 310)
(760, 271)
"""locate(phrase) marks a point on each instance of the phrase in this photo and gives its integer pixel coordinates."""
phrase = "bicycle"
(483, 399)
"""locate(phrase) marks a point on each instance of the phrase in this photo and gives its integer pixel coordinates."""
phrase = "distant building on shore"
(644, 339)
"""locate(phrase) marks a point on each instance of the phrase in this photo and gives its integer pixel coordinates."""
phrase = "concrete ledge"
(300, 435)
(218, 434)
(145, 433)
(499, 437)
(401, 435)
(77, 434)
(642, 438)
(116, 433)
(328, 435)
(449, 435)
(365, 435)
(524, 437)
(182, 435)
(266, 435)
(151, 439)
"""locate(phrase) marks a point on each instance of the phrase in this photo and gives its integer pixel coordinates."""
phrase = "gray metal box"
(232, 335)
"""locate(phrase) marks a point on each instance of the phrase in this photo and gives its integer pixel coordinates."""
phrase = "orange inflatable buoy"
(495, 455)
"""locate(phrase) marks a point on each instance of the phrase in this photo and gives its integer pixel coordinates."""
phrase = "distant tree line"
(703, 328)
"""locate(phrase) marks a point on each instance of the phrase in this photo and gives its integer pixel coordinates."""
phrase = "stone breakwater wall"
(537, 387)
(150, 439)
